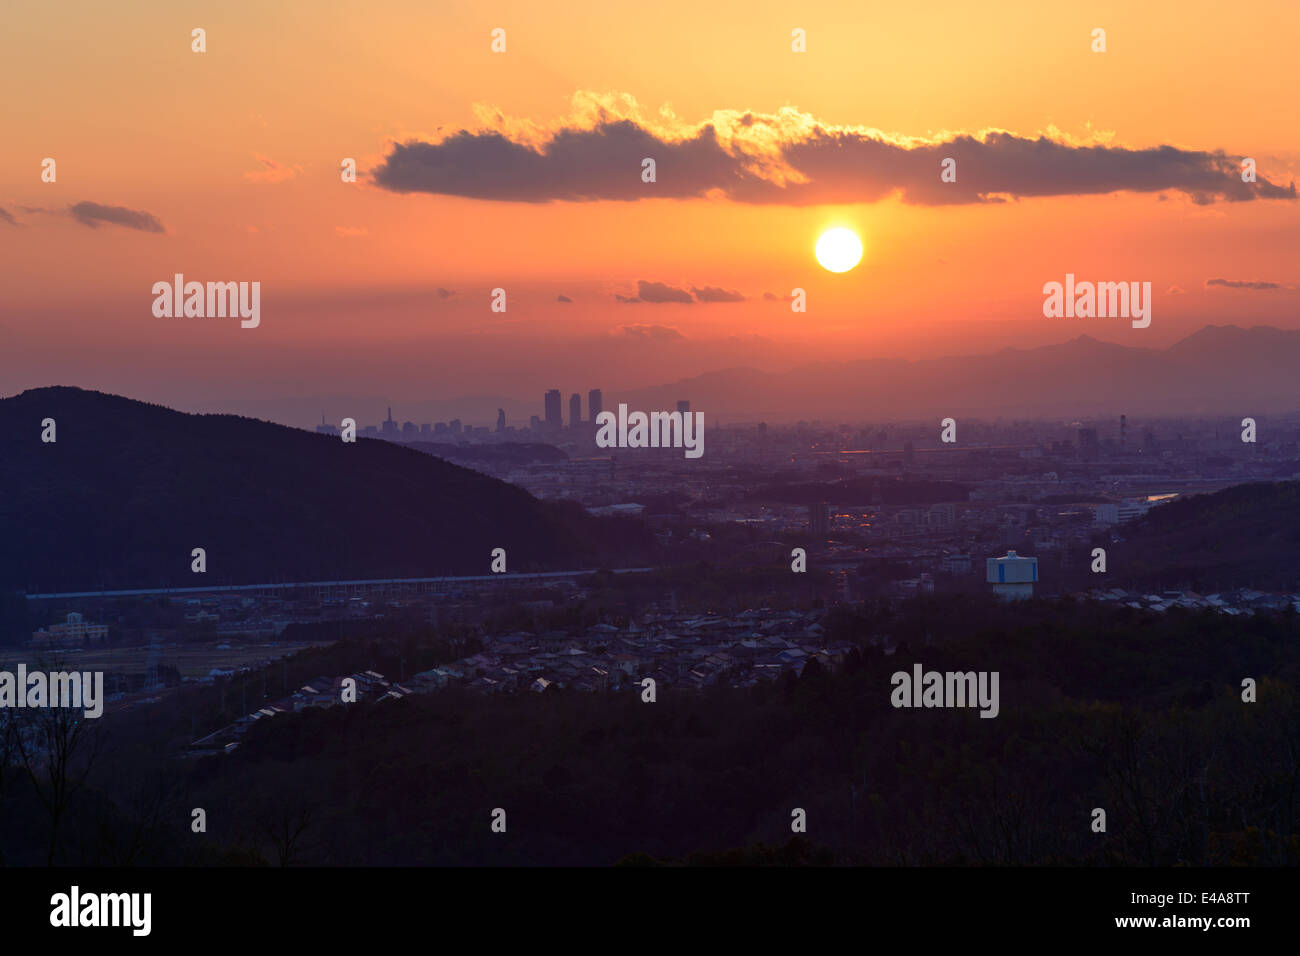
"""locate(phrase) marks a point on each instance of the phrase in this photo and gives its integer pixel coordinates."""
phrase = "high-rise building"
(819, 516)
(501, 420)
(575, 410)
(554, 420)
(595, 404)
(684, 406)
(390, 426)
(1089, 447)
(325, 429)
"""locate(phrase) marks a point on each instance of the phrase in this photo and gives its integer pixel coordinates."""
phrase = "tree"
(57, 747)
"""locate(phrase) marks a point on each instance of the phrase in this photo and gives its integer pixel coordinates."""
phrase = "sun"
(839, 250)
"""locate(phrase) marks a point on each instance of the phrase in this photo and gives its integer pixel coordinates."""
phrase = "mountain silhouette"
(129, 489)
(1219, 370)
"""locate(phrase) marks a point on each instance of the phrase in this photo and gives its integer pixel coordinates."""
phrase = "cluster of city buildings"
(367, 686)
(576, 433)
(1242, 601)
(672, 649)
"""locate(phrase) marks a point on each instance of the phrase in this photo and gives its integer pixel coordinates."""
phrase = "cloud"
(271, 171)
(445, 293)
(1174, 290)
(656, 292)
(92, 214)
(650, 333)
(713, 294)
(347, 231)
(787, 157)
(562, 298)
(770, 297)
(1254, 285)
(7, 217)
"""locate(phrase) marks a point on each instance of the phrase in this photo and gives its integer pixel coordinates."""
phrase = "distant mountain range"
(1220, 370)
(129, 489)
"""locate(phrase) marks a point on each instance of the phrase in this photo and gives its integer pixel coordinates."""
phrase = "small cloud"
(562, 298)
(271, 171)
(7, 217)
(1174, 290)
(92, 214)
(344, 232)
(713, 294)
(626, 298)
(660, 292)
(254, 229)
(650, 333)
(445, 293)
(1254, 285)
(777, 298)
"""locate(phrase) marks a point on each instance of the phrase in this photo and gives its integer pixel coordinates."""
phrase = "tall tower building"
(575, 410)
(501, 420)
(554, 420)
(390, 426)
(684, 406)
(595, 404)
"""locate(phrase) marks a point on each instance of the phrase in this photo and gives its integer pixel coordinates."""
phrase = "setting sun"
(839, 250)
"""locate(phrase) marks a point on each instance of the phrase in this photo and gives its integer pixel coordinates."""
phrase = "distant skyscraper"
(575, 410)
(553, 416)
(501, 420)
(595, 404)
(819, 516)
(684, 406)
(1089, 447)
(390, 426)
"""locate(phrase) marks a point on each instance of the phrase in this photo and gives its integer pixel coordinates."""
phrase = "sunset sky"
(522, 170)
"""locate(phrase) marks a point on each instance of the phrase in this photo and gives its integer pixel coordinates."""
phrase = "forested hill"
(1245, 536)
(129, 489)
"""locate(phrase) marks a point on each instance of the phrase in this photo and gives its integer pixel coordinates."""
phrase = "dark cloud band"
(767, 159)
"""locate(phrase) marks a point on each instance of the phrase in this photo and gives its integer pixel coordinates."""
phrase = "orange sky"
(349, 272)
